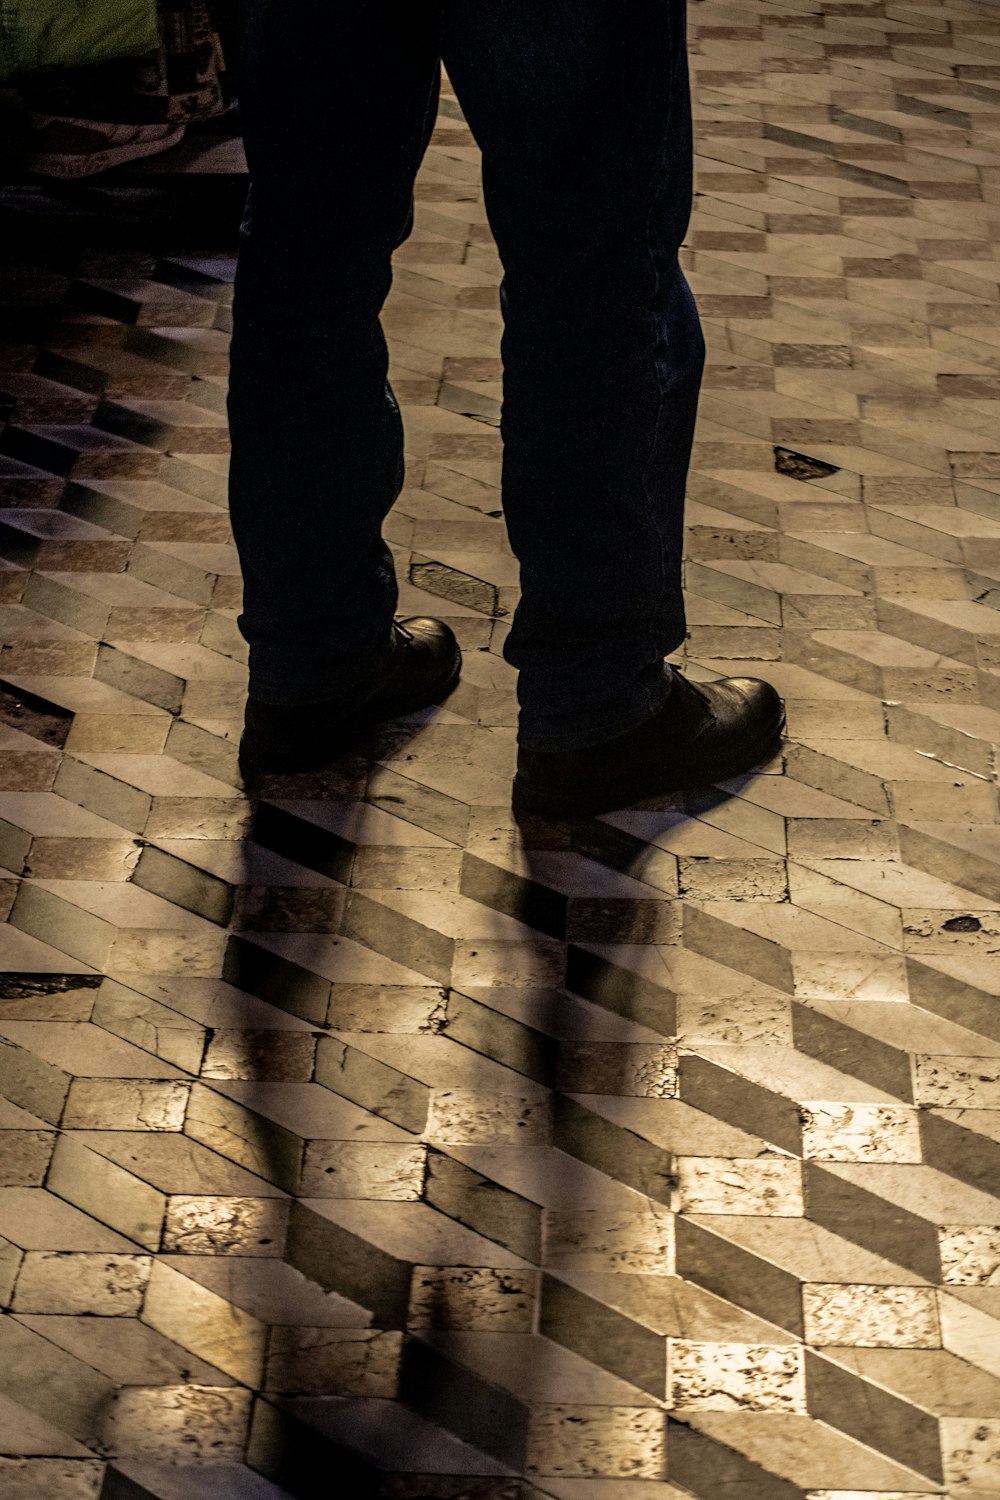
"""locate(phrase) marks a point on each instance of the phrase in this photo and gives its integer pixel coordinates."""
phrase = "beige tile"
(363, 1169)
(125, 1104)
(464, 1115)
(640, 1242)
(190, 1424)
(225, 1226)
(726, 1377)
(620, 1442)
(97, 1285)
(971, 1453)
(472, 1298)
(970, 1255)
(957, 1082)
(871, 1316)
(717, 1185)
(833, 1131)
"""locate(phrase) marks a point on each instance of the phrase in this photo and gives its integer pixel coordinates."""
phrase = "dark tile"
(277, 980)
(611, 1149)
(528, 901)
(603, 1335)
(723, 1094)
(184, 884)
(354, 1268)
(865, 1219)
(621, 990)
(457, 1399)
(305, 843)
(873, 1416)
(491, 1210)
(44, 721)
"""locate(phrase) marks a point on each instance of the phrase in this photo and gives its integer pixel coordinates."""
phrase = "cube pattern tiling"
(358, 1138)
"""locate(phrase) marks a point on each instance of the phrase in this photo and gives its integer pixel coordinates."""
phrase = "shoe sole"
(349, 733)
(528, 799)
(70, 166)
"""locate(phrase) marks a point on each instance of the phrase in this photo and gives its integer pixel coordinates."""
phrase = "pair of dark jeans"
(581, 109)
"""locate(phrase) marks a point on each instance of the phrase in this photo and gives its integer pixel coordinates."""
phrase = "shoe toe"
(426, 668)
(430, 642)
(426, 628)
(745, 713)
(762, 701)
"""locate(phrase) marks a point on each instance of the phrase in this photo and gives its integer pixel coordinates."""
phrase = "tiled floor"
(358, 1145)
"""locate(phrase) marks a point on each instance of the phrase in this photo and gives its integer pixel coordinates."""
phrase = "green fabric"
(41, 34)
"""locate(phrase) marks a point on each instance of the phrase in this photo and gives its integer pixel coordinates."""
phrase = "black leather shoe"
(703, 733)
(420, 667)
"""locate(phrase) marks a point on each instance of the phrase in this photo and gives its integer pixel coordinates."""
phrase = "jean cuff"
(643, 703)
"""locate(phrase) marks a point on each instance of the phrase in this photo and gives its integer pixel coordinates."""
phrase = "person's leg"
(581, 108)
(337, 103)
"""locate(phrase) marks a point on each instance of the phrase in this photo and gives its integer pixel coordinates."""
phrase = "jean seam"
(660, 337)
(597, 731)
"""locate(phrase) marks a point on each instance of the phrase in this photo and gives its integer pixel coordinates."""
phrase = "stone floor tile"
(603, 1240)
(721, 1377)
(720, 1185)
(62, 1479)
(37, 1219)
(970, 1454)
(313, 1113)
(83, 1050)
(552, 1176)
(26, 1157)
(225, 1226)
(204, 1423)
(414, 1233)
(582, 1440)
(969, 1333)
(934, 1380)
(355, 1169)
(609, 1489)
(958, 1081)
(863, 1494)
(971, 1256)
(124, 1349)
(858, 1132)
(472, 1299)
(334, 1361)
(168, 1481)
(774, 1450)
(63, 1396)
(34, 1436)
(897, 1317)
(208, 1324)
(396, 1438)
(86, 1284)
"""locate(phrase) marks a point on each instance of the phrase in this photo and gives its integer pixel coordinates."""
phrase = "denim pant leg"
(337, 103)
(582, 111)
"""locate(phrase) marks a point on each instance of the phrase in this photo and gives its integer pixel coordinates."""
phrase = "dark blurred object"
(78, 122)
(44, 34)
